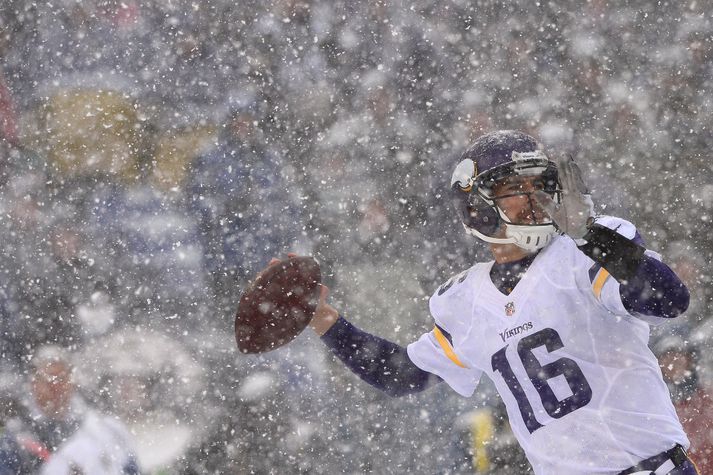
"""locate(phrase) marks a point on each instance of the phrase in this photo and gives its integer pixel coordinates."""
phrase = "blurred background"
(154, 154)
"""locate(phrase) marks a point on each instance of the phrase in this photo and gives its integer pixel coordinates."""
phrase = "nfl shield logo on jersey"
(509, 308)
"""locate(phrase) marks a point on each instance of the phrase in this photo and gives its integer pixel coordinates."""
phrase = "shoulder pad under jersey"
(450, 305)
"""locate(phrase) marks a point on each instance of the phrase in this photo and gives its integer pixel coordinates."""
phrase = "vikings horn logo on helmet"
(464, 175)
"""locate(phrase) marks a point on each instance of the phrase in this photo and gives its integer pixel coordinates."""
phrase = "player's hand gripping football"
(283, 300)
(573, 215)
(325, 315)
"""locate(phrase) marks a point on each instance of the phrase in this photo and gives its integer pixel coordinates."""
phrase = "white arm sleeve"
(428, 354)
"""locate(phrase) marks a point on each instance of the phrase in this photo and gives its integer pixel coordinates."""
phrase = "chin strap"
(530, 238)
(620, 256)
(524, 237)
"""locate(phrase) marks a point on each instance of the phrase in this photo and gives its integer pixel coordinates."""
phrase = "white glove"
(575, 211)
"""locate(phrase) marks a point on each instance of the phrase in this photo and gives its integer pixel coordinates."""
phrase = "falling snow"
(154, 155)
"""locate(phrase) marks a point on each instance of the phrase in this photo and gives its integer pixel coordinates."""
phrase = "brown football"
(278, 305)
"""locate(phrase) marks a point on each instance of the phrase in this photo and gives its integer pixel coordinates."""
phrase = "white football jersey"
(584, 394)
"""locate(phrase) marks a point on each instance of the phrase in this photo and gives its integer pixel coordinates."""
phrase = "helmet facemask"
(484, 218)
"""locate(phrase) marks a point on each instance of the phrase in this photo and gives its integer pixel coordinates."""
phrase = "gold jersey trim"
(447, 348)
(599, 282)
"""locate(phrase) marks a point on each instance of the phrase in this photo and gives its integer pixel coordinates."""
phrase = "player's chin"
(526, 222)
(530, 220)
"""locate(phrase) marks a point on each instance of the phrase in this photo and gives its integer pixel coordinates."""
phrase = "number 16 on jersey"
(540, 375)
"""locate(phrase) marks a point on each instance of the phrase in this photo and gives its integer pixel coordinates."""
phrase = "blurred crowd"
(155, 154)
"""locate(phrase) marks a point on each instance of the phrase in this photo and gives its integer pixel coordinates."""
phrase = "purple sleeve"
(381, 363)
(655, 290)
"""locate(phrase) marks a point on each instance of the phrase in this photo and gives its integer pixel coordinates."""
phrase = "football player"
(559, 320)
